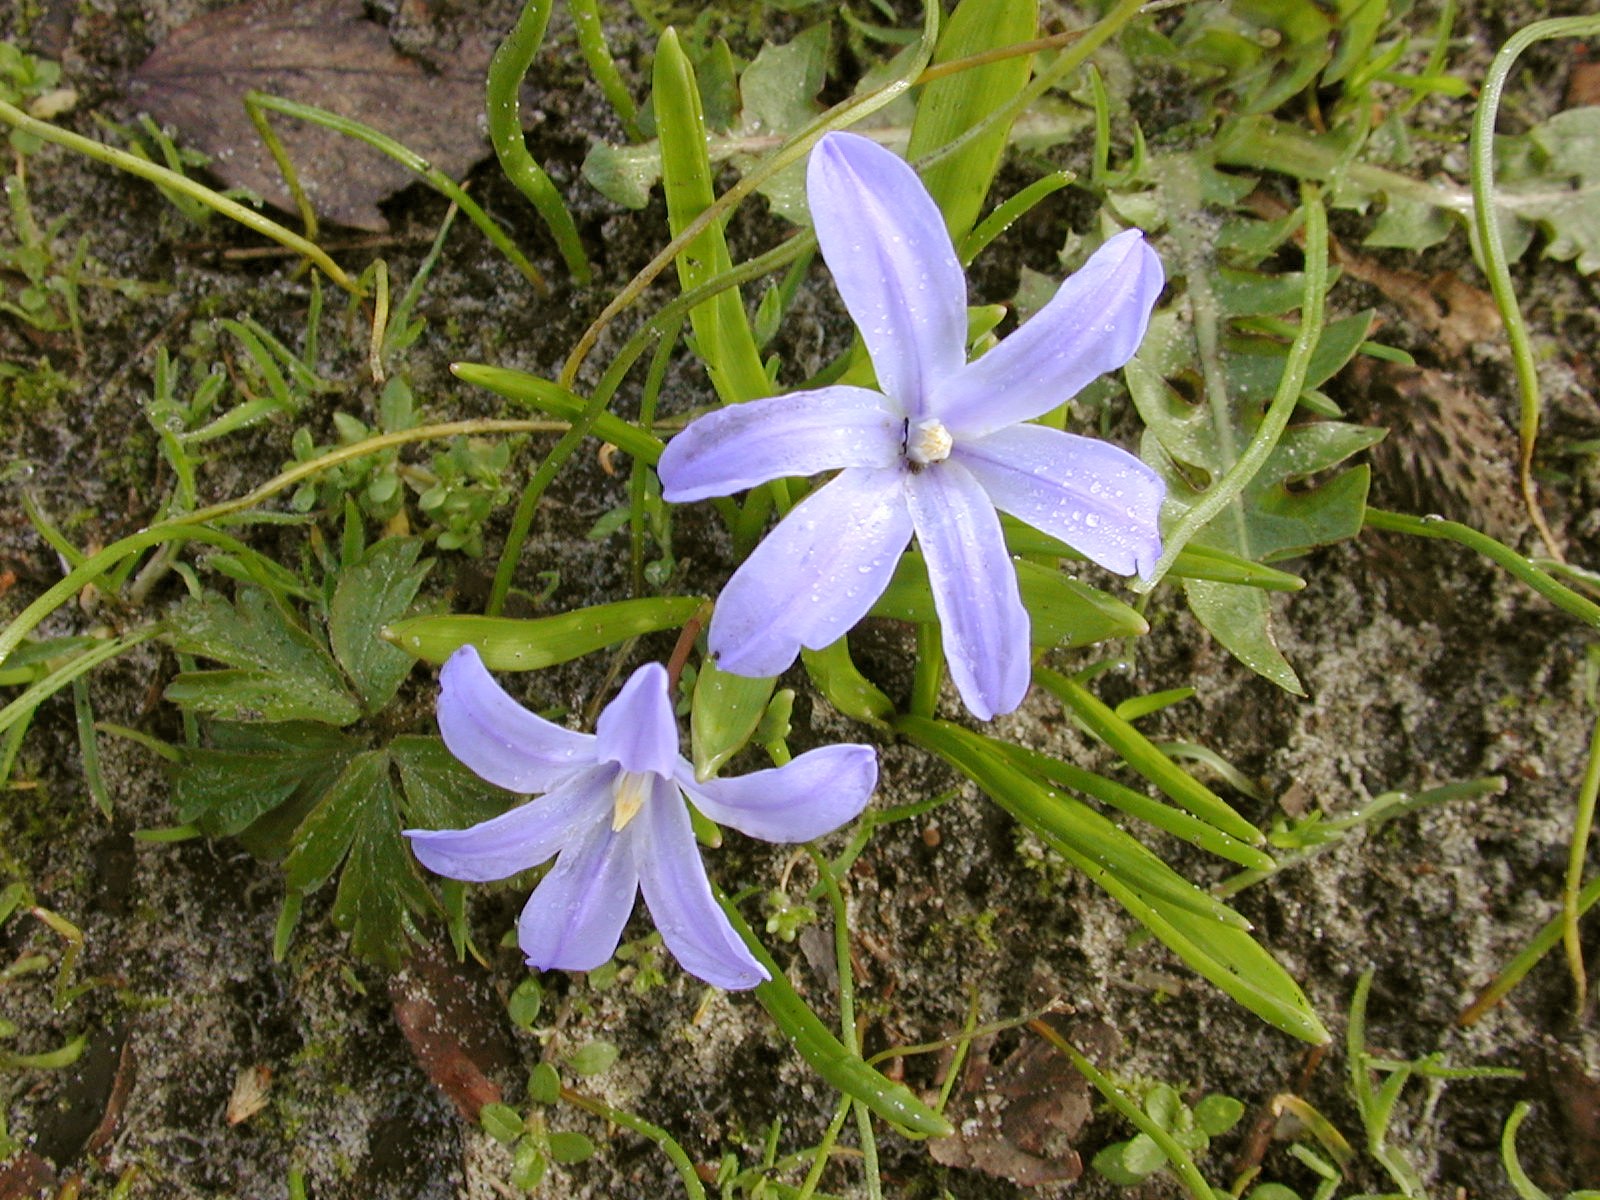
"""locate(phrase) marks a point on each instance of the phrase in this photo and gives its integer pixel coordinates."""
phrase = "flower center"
(928, 441)
(629, 794)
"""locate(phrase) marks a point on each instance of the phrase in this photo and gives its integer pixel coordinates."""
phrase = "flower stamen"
(629, 794)
(928, 441)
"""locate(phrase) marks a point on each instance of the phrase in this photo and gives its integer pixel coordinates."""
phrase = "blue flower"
(613, 814)
(936, 452)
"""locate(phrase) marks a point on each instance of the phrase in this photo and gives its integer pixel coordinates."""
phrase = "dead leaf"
(1017, 1119)
(26, 1176)
(251, 1087)
(1447, 451)
(324, 53)
(456, 1028)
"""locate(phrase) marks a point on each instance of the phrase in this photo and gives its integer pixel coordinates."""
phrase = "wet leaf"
(324, 53)
(370, 593)
(277, 670)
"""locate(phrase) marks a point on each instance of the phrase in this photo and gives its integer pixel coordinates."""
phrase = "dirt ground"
(1424, 665)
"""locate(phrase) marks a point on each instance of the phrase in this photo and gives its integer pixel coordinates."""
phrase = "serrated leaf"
(437, 791)
(225, 789)
(779, 91)
(279, 671)
(325, 836)
(376, 589)
(1194, 444)
(380, 886)
(356, 823)
(1564, 197)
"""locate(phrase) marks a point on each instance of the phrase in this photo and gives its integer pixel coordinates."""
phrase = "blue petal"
(804, 799)
(885, 241)
(499, 739)
(679, 898)
(802, 433)
(815, 575)
(974, 588)
(521, 838)
(574, 919)
(1095, 497)
(638, 728)
(1092, 325)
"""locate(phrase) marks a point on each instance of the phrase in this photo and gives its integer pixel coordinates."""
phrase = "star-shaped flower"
(936, 452)
(613, 814)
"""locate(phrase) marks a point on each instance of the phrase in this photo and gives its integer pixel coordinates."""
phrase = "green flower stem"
(411, 161)
(510, 63)
(1232, 484)
(847, 1010)
(196, 525)
(1577, 853)
(1493, 251)
(162, 177)
(1502, 555)
(1182, 1164)
(70, 673)
(668, 1144)
(1538, 946)
(824, 1052)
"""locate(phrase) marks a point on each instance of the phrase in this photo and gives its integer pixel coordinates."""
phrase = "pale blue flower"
(613, 814)
(936, 452)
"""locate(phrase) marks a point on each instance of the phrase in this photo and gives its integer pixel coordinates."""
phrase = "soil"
(1424, 665)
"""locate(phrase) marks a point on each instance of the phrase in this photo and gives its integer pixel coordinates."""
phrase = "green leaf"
(569, 1146)
(501, 1122)
(1216, 1114)
(1145, 757)
(593, 1058)
(437, 791)
(1141, 1156)
(554, 400)
(515, 644)
(949, 106)
(1180, 915)
(721, 329)
(544, 1084)
(1163, 1105)
(1192, 445)
(1085, 838)
(1108, 1162)
(1064, 612)
(727, 709)
(624, 174)
(1564, 196)
(256, 768)
(371, 592)
(356, 822)
(279, 671)
(779, 93)
(524, 1003)
(380, 886)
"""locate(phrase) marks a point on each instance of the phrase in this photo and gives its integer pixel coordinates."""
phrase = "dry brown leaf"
(324, 53)
(455, 1025)
(1019, 1117)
